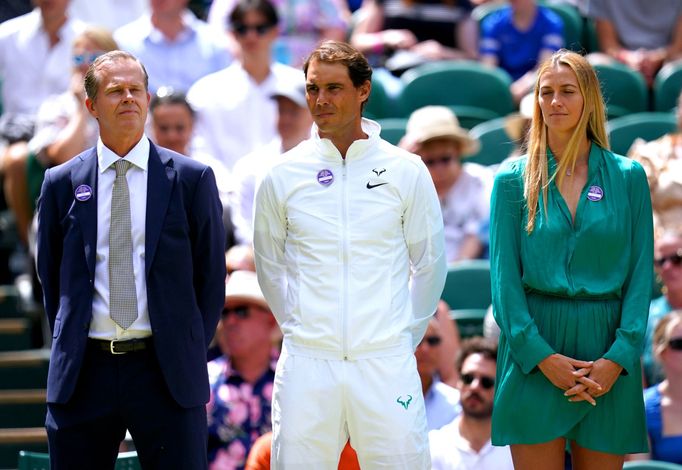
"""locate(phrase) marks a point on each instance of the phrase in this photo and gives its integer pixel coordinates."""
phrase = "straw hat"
(439, 122)
(242, 287)
(516, 124)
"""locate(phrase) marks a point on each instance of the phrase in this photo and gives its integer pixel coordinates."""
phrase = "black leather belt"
(121, 346)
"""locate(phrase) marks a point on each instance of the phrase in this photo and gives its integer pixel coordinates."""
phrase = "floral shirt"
(238, 413)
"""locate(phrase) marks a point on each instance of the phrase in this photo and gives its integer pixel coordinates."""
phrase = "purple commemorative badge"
(325, 177)
(595, 193)
(83, 193)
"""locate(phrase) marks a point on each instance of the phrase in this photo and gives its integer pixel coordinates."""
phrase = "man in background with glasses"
(241, 379)
(464, 444)
(440, 400)
(234, 110)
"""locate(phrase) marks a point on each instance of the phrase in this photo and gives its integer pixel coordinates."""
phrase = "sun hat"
(439, 122)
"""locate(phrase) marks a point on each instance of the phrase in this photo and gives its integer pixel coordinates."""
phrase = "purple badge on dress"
(325, 177)
(595, 193)
(83, 193)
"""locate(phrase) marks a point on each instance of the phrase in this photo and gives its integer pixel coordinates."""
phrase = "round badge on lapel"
(83, 193)
(595, 193)
(325, 177)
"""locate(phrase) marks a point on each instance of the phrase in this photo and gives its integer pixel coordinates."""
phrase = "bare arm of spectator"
(450, 345)
(369, 36)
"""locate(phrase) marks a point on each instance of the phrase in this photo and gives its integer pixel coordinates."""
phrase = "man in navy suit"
(148, 375)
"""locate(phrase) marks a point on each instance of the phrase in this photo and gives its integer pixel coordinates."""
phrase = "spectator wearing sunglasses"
(234, 110)
(668, 266)
(176, 47)
(241, 380)
(434, 133)
(663, 401)
(440, 400)
(464, 444)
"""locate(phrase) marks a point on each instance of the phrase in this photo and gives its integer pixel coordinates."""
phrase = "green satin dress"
(579, 288)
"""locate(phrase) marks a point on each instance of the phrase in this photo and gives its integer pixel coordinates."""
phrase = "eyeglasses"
(675, 259)
(485, 381)
(241, 312)
(243, 29)
(675, 343)
(432, 341)
(85, 58)
(444, 160)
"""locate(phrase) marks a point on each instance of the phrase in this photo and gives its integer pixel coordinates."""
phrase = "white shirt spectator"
(196, 52)
(110, 14)
(449, 451)
(234, 114)
(466, 207)
(31, 70)
(442, 404)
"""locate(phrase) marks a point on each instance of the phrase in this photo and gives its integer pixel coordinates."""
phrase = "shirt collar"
(189, 22)
(138, 155)
(357, 148)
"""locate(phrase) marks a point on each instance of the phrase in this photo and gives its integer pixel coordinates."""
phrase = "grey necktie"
(122, 294)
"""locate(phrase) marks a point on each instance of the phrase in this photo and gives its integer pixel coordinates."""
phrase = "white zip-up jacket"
(349, 252)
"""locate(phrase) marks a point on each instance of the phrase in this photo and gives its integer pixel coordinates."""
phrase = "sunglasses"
(444, 160)
(85, 58)
(241, 312)
(243, 29)
(432, 340)
(675, 259)
(675, 343)
(485, 381)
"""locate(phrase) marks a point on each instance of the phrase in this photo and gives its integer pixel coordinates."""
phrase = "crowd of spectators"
(228, 90)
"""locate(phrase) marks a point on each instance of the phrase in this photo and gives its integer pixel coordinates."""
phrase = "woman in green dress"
(571, 254)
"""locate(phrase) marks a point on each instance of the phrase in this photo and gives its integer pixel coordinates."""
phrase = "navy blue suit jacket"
(184, 266)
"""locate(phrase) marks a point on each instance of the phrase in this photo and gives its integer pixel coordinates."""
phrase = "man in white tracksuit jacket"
(348, 239)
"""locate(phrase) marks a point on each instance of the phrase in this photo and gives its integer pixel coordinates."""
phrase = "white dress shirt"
(234, 114)
(102, 326)
(450, 451)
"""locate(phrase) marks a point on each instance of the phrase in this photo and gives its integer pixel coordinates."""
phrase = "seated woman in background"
(663, 402)
(668, 265)
(662, 161)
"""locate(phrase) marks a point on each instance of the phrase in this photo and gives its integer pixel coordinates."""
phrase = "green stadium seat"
(24, 369)
(457, 84)
(380, 105)
(15, 334)
(650, 465)
(667, 87)
(15, 440)
(648, 126)
(22, 408)
(495, 143)
(624, 90)
(392, 129)
(469, 321)
(467, 285)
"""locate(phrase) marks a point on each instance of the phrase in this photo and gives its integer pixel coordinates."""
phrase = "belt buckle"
(111, 347)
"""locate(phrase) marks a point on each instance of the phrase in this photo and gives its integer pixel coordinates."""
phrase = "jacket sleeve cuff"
(624, 355)
(531, 352)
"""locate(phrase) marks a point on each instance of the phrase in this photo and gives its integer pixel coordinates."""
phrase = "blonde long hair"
(592, 123)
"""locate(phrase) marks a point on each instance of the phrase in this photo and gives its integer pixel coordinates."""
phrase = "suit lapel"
(83, 178)
(160, 182)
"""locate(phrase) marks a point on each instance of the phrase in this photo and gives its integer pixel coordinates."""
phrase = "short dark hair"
(476, 345)
(359, 69)
(92, 79)
(168, 96)
(264, 7)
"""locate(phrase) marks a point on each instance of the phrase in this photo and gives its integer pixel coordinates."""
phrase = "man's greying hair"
(332, 52)
(92, 79)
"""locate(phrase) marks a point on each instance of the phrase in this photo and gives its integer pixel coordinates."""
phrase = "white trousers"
(318, 404)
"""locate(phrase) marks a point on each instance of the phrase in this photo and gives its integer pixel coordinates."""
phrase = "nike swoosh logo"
(370, 186)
